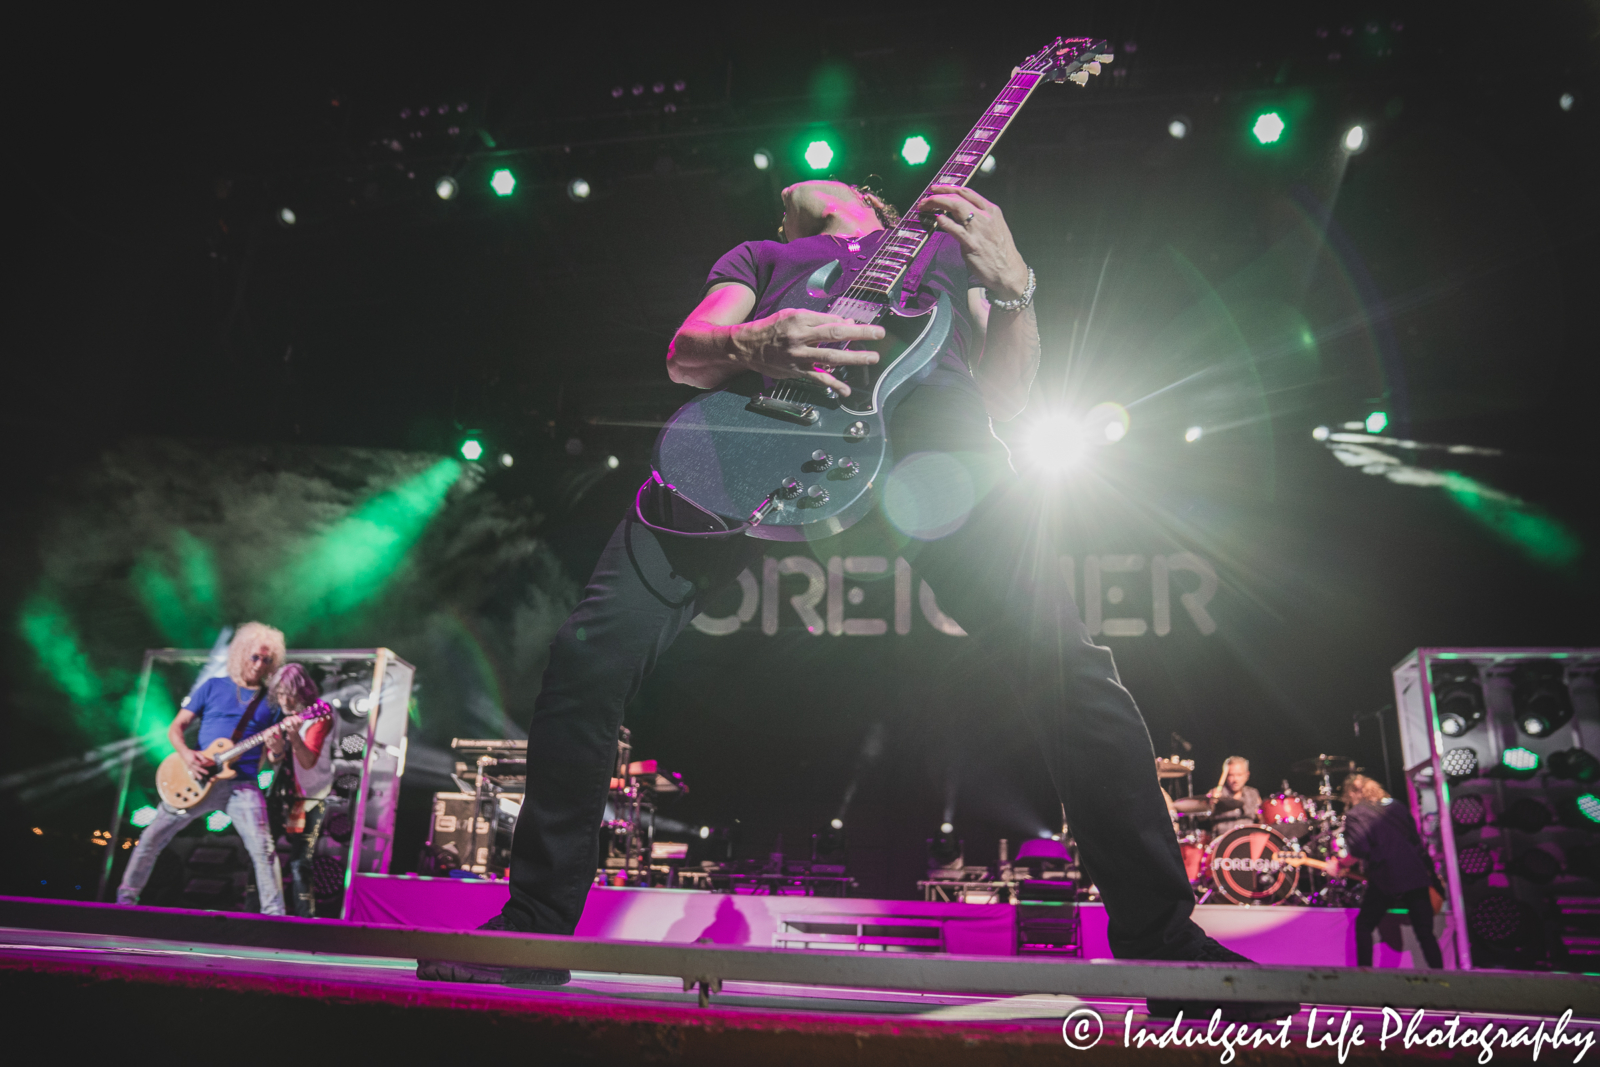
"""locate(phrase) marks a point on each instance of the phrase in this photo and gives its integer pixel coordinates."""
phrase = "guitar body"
(179, 788)
(732, 450)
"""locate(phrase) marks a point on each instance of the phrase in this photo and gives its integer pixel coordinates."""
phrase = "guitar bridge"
(795, 410)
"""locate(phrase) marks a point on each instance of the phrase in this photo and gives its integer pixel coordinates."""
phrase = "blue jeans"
(245, 806)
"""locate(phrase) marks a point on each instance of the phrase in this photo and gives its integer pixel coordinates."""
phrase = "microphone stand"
(1383, 736)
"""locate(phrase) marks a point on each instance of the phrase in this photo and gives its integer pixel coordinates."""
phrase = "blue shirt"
(218, 704)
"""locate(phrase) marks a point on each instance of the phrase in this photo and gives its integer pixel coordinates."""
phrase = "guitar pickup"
(804, 414)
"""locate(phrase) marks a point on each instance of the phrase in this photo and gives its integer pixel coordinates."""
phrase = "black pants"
(302, 855)
(998, 576)
(1419, 909)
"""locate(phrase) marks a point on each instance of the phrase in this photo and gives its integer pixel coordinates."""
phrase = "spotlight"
(915, 150)
(1457, 697)
(1320, 433)
(1474, 861)
(503, 182)
(578, 189)
(1468, 811)
(1525, 814)
(143, 816)
(1355, 141)
(1377, 422)
(987, 166)
(286, 216)
(818, 155)
(705, 832)
(1567, 101)
(472, 449)
(264, 778)
(1519, 762)
(837, 824)
(1460, 763)
(1536, 865)
(506, 460)
(1268, 127)
(1193, 434)
(762, 159)
(1588, 807)
(218, 821)
(612, 462)
(1055, 444)
(352, 746)
(945, 850)
(1496, 918)
(1539, 697)
(446, 188)
(1178, 127)
(1575, 765)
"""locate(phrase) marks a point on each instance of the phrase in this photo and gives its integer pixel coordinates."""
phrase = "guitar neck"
(900, 246)
(319, 710)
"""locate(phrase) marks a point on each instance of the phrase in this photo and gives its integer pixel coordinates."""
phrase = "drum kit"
(1280, 856)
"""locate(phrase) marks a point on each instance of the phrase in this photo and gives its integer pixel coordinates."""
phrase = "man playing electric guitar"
(233, 706)
(991, 563)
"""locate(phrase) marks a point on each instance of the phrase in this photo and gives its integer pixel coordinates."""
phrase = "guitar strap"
(249, 713)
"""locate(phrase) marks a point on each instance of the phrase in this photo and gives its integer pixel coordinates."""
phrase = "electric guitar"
(792, 460)
(182, 790)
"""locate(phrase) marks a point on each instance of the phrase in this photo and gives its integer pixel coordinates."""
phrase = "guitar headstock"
(320, 710)
(1071, 59)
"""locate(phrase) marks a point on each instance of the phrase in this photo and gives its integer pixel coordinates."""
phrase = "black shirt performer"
(993, 566)
(1382, 836)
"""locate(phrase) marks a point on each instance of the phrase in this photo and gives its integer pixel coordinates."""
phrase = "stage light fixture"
(705, 832)
(446, 188)
(1468, 811)
(1055, 444)
(1457, 697)
(1354, 140)
(916, 150)
(988, 165)
(1525, 814)
(143, 816)
(762, 159)
(818, 155)
(1193, 434)
(1519, 762)
(472, 449)
(1539, 697)
(1460, 763)
(579, 189)
(612, 462)
(1496, 918)
(1268, 127)
(1566, 101)
(1536, 865)
(1575, 765)
(1178, 128)
(503, 182)
(506, 459)
(1377, 422)
(286, 216)
(946, 828)
(1474, 861)
(264, 778)
(837, 824)
(218, 821)
(1588, 807)
(1320, 433)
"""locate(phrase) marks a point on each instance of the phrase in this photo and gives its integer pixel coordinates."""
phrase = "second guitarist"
(233, 706)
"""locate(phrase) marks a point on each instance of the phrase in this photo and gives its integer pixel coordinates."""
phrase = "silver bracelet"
(1020, 302)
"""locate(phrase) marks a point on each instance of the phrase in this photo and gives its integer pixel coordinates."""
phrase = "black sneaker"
(451, 971)
(1240, 1011)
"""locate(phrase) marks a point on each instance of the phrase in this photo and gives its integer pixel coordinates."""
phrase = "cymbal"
(1192, 805)
(1323, 764)
(1222, 804)
(1173, 768)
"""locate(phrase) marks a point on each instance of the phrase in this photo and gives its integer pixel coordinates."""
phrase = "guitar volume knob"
(791, 488)
(848, 467)
(820, 460)
(817, 494)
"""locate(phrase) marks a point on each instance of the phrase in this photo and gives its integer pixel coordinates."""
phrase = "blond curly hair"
(1358, 789)
(251, 636)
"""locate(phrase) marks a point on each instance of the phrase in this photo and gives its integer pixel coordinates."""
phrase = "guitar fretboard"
(900, 246)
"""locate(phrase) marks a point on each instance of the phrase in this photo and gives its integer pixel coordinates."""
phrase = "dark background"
(176, 354)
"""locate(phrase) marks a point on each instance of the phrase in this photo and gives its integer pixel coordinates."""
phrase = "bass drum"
(1247, 866)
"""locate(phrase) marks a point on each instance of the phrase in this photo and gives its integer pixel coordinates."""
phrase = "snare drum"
(1288, 813)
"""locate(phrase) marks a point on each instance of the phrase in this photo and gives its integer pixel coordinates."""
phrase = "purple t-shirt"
(778, 274)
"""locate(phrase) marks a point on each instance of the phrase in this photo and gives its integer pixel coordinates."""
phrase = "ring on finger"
(968, 220)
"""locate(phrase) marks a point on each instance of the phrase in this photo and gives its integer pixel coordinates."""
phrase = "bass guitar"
(182, 790)
(792, 460)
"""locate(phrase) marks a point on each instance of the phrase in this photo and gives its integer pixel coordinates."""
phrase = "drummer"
(1232, 786)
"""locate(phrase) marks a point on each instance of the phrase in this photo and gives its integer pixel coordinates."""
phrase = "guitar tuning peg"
(1079, 77)
(1108, 57)
(1092, 67)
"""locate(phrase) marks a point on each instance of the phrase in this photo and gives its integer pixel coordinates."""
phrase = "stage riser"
(1291, 936)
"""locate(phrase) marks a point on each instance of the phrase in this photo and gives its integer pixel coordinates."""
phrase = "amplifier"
(476, 842)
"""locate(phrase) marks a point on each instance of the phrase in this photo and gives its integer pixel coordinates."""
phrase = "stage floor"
(104, 992)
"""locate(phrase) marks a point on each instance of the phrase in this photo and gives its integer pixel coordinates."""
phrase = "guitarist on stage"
(235, 706)
(994, 569)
